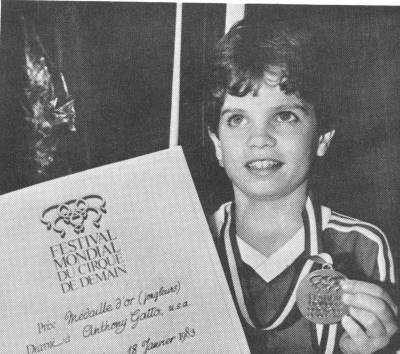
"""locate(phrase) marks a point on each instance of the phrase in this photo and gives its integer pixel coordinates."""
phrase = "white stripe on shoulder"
(351, 221)
(378, 240)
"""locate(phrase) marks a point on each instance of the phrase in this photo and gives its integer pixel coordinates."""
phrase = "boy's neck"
(267, 225)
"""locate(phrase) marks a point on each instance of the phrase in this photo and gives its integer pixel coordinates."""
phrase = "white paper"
(146, 279)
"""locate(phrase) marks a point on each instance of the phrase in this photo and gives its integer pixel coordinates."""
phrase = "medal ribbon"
(311, 249)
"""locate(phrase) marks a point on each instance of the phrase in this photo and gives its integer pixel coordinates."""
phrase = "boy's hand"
(374, 309)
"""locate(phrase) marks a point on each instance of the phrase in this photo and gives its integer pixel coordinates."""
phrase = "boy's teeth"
(262, 164)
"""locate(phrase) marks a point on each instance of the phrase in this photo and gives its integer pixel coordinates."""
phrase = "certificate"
(117, 259)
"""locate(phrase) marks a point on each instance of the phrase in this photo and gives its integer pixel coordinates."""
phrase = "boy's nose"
(261, 138)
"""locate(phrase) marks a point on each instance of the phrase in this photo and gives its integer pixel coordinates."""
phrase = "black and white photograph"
(199, 177)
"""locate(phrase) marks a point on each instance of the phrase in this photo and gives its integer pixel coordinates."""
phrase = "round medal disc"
(319, 297)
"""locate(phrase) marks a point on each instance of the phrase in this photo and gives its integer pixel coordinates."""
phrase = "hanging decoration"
(46, 104)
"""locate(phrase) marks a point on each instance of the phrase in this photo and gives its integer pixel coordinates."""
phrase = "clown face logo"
(74, 212)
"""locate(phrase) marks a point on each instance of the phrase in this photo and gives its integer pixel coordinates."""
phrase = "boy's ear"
(324, 142)
(217, 145)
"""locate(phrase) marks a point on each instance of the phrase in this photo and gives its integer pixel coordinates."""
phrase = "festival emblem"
(74, 212)
(319, 296)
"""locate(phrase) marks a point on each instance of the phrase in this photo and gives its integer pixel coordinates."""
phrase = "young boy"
(270, 98)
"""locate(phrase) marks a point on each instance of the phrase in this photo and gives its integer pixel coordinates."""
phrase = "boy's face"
(267, 142)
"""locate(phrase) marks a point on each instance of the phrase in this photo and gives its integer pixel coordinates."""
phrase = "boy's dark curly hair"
(292, 53)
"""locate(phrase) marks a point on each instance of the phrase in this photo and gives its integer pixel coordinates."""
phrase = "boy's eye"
(236, 120)
(287, 117)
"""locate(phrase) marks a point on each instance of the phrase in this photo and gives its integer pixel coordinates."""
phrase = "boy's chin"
(271, 194)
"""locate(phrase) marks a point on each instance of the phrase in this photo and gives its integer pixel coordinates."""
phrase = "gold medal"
(319, 296)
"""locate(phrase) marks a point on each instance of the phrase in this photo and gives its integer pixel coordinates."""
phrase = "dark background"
(117, 61)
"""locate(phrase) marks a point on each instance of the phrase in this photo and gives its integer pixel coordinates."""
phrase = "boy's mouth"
(264, 164)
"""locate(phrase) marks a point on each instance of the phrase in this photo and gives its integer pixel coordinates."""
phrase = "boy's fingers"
(356, 286)
(347, 345)
(375, 306)
(357, 341)
(373, 326)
